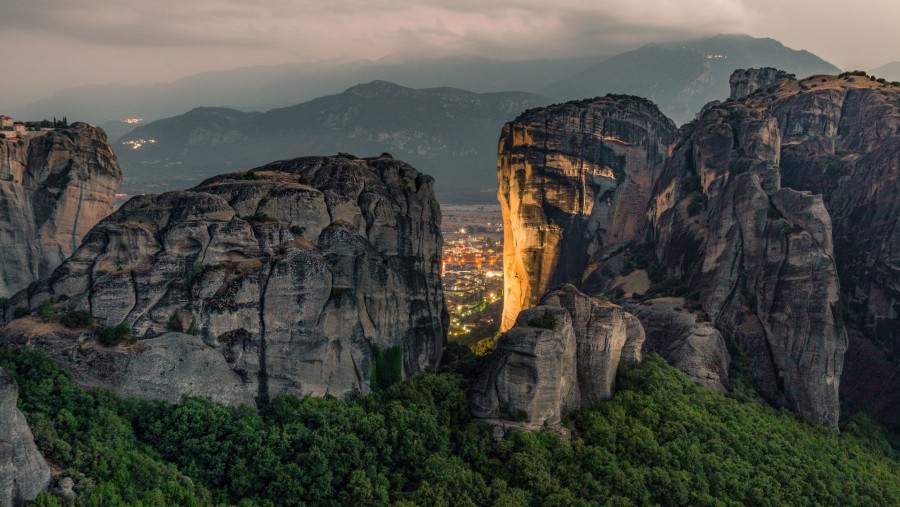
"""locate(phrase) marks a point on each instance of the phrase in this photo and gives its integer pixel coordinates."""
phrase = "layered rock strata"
(54, 187)
(23, 471)
(292, 275)
(578, 174)
(561, 355)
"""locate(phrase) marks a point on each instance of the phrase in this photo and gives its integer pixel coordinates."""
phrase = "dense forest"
(660, 440)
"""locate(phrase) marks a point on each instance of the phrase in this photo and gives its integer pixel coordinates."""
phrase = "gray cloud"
(138, 41)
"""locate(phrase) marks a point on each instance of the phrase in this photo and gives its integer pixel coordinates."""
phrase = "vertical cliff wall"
(292, 276)
(774, 217)
(758, 257)
(577, 175)
(841, 139)
(53, 188)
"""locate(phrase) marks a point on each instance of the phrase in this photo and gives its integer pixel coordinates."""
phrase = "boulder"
(560, 356)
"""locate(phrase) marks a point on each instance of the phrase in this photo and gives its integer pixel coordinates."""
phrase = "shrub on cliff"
(113, 335)
(77, 319)
(545, 321)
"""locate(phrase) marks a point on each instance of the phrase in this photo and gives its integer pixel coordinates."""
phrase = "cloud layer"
(138, 41)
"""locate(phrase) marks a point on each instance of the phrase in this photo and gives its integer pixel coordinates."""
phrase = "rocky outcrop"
(686, 339)
(23, 471)
(841, 139)
(759, 260)
(53, 188)
(579, 175)
(163, 368)
(604, 335)
(745, 82)
(759, 256)
(291, 275)
(532, 375)
(560, 356)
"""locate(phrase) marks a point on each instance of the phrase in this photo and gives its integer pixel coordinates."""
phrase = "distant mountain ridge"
(683, 76)
(889, 71)
(266, 87)
(449, 133)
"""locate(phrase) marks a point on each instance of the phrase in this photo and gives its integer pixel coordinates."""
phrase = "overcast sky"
(46, 45)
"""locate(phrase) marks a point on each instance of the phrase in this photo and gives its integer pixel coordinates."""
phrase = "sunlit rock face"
(53, 188)
(23, 471)
(577, 174)
(292, 274)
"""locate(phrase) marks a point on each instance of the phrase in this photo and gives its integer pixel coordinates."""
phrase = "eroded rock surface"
(560, 356)
(291, 273)
(578, 174)
(757, 209)
(23, 471)
(759, 256)
(53, 188)
(745, 82)
(686, 339)
(841, 139)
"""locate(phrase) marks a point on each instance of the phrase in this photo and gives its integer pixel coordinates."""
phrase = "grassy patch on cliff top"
(661, 440)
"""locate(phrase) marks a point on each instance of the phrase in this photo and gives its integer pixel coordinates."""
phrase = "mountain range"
(889, 71)
(447, 132)
(681, 77)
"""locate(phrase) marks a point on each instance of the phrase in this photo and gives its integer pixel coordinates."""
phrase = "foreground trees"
(660, 440)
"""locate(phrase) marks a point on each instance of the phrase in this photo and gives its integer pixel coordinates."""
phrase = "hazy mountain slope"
(683, 76)
(448, 133)
(266, 87)
(889, 71)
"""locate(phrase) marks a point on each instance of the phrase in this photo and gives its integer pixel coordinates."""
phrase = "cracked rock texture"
(23, 471)
(540, 373)
(577, 174)
(288, 275)
(686, 340)
(53, 188)
(744, 82)
(759, 256)
(841, 139)
(775, 215)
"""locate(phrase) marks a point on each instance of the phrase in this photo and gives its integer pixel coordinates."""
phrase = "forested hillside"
(660, 440)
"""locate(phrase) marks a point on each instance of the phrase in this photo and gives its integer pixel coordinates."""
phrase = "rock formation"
(53, 188)
(687, 340)
(757, 209)
(291, 274)
(579, 175)
(841, 139)
(745, 82)
(560, 356)
(759, 256)
(164, 368)
(23, 471)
